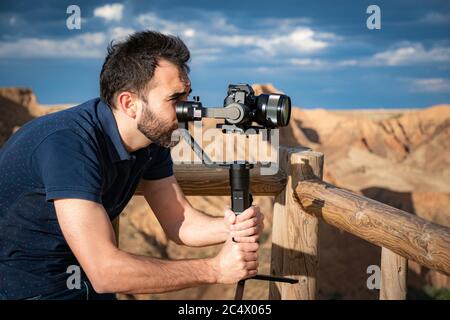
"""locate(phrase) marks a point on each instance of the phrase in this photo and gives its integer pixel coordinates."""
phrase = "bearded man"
(65, 176)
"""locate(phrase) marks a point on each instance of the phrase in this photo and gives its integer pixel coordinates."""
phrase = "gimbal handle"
(241, 198)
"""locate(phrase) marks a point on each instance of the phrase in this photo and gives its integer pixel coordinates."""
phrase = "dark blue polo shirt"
(74, 153)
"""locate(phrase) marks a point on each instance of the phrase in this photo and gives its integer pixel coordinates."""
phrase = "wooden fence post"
(295, 232)
(394, 270)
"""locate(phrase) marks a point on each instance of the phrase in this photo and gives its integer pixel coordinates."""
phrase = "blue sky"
(319, 52)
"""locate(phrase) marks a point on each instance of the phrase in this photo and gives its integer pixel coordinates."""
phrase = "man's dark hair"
(130, 64)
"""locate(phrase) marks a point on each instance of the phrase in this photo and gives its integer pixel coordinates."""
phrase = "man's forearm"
(127, 273)
(201, 229)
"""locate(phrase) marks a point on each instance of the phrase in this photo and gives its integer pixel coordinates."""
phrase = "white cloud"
(431, 85)
(152, 21)
(205, 55)
(348, 63)
(436, 18)
(87, 45)
(321, 64)
(299, 40)
(189, 33)
(411, 54)
(110, 12)
(284, 23)
(209, 36)
(309, 63)
(216, 32)
(263, 70)
(120, 33)
(219, 22)
(214, 23)
(407, 54)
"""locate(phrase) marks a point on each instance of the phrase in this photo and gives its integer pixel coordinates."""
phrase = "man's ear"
(127, 102)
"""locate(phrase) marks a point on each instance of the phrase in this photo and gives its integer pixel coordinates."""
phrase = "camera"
(241, 108)
(267, 110)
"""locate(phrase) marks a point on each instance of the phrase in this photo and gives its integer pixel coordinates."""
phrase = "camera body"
(268, 110)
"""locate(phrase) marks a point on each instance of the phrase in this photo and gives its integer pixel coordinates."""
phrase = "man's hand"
(246, 227)
(236, 261)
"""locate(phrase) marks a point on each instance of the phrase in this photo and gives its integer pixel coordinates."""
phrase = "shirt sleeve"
(69, 167)
(161, 166)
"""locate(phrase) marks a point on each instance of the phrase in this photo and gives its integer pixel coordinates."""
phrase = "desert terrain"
(399, 157)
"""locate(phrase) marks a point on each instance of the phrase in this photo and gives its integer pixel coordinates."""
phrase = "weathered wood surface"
(401, 232)
(198, 180)
(294, 232)
(394, 270)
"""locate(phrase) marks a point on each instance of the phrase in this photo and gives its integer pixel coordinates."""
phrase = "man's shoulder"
(78, 120)
(75, 127)
(78, 115)
(65, 136)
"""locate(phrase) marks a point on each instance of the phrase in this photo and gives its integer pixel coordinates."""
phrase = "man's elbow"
(179, 235)
(102, 277)
(187, 236)
(177, 239)
(101, 282)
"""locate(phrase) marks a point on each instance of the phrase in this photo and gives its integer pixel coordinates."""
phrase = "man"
(65, 176)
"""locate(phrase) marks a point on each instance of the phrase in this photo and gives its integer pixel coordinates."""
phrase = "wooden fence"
(302, 198)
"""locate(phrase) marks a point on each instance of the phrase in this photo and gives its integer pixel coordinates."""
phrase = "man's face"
(158, 118)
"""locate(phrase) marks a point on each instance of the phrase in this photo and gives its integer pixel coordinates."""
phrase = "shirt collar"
(116, 148)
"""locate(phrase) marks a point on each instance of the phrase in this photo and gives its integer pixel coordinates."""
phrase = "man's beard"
(156, 130)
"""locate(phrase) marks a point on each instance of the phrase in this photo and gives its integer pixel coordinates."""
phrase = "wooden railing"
(302, 198)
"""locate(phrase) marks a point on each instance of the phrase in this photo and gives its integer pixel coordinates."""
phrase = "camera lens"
(273, 110)
(189, 111)
(285, 112)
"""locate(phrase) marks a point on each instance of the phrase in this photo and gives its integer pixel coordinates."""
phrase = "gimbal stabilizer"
(241, 108)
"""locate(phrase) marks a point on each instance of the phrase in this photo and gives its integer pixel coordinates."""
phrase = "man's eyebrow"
(179, 94)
